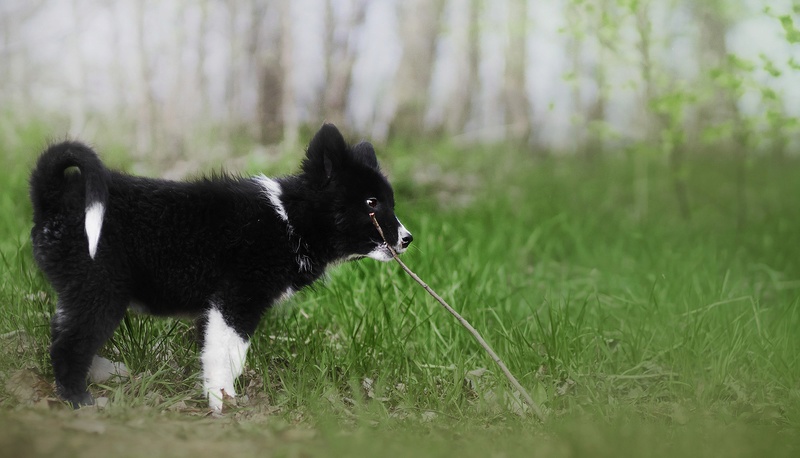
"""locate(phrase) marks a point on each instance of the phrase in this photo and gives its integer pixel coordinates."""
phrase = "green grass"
(638, 332)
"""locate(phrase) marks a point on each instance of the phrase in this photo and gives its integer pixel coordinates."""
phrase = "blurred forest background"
(167, 79)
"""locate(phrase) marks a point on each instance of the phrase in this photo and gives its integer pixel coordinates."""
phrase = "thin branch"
(465, 323)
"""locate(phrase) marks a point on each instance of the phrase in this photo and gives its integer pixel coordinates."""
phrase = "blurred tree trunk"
(146, 129)
(467, 43)
(233, 78)
(713, 56)
(8, 61)
(291, 123)
(518, 122)
(202, 52)
(15, 63)
(175, 126)
(661, 128)
(641, 178)
(596, 114)
(340, 59)
(121, 80)
(419, 28)
(606, 32)
(589, 39)
(267, 37)
(77, 112)
(576, 33)
(724, 107)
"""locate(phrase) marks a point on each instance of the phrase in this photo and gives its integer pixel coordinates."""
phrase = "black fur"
(174, 248)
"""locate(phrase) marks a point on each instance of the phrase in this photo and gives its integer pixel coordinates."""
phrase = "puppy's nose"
(407, 239)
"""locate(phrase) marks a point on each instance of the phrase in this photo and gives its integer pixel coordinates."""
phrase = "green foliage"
(685, 109)
(792, 33)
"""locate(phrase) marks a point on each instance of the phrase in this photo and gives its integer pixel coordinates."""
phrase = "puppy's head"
(352, 186)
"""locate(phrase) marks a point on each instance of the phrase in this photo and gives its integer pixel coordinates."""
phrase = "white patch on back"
(272, 189)
(223, 357)
(94, 222)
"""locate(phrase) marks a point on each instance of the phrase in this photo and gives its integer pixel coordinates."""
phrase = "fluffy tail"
(48, 182)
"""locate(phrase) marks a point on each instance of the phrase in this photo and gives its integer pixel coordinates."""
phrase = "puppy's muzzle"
(404, 237)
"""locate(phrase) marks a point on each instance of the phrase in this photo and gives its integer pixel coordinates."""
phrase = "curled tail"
(48, 181)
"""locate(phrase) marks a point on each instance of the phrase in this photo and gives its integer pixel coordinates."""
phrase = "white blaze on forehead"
(94, 223)
(272, 189)
(223, 357)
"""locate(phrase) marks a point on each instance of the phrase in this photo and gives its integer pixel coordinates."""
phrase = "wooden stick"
(465, 323)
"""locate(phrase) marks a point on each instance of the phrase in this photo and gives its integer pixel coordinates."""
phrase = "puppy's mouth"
(400, 248)
(383, 253)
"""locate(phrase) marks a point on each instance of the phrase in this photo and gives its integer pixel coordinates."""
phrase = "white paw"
(219, 397)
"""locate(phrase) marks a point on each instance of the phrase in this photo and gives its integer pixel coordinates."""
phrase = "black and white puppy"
(221, 250)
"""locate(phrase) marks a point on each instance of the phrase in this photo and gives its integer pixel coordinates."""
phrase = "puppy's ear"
(324, 154)
(365, 153)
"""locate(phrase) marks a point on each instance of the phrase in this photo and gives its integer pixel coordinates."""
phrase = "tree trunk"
(516, 102)
(574, 46)
(419, 28)
(291, 125)
(661, 123)
(467, 41)
(77, 114)
(202, 51)
(147, 125)
(267, 49)
(725, 108)
(596, 117)
(233, 82)
(339, 64)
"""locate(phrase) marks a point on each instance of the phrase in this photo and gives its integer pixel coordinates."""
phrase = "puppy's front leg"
(223, 356)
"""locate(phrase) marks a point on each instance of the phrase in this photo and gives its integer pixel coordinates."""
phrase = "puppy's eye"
(372, 202)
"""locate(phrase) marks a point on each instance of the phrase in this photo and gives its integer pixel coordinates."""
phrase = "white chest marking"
(273, 191)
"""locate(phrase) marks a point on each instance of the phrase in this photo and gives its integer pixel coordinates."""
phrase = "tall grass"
(602, 307)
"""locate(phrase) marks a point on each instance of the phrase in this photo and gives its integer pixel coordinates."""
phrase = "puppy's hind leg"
(79, 328)
(223, 355)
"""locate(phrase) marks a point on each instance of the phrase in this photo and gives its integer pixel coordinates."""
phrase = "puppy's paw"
(81, 400)
(221, 400)
(76, 397)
